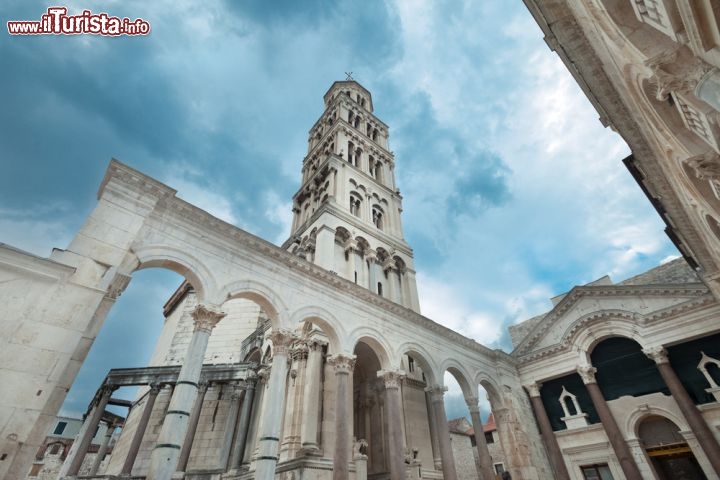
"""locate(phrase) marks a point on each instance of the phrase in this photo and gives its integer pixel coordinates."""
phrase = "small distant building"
(462, 437)
(61, 435)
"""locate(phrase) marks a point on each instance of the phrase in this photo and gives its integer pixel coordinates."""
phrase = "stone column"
(486, 471)
(269, 440)
(236, 396)
(243, 424)
(620, 447)
(343, 366)
(73, 462)
(548, 436)
(437, 462)
(371, 258)
(394, 416)
(165, 456)
(697, 423)
(311, 398)
(192, 427)
(437, 395)
(103, 448)
(140, 430)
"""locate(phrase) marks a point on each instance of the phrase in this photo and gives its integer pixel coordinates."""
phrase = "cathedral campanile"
(346, 214)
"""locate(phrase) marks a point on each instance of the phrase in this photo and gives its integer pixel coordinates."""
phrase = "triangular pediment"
(583, 306)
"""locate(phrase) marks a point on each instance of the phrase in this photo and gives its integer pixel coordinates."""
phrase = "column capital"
(281, 340)
(155, 387)
(205, 317)
(315, 344)
(391, 378)
(658, 354)
(587, 373)
(203, 386)
(534, 388)
(343, 364)
(472, 404)
(437, 392)
(299, 350)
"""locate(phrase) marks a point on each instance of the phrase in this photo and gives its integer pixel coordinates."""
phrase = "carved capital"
(533, 389)
(155, 388)
(657, 354)
(206, 317)
(315, 344)
(437, 393)
(391, 379)
(343, 364)
(587, 373)
(282, 340)
(203, 386)
(299, 350)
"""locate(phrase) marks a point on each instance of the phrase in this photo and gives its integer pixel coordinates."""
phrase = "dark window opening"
(59, 428)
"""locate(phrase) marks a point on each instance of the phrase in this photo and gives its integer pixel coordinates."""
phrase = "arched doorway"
(370, 423)
(667, 450)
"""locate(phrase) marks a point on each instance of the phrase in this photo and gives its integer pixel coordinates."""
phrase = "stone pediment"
(584, 306)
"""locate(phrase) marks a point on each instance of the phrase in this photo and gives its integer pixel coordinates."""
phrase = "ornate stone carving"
(282, 340)
(343, 364)
(437, 393)
(360, 449)
(658, 354)
(533, 389)
(299, 350)
(587, 373)
(391, 379)
(706, 166)
(671, 75)
(205, 317)
(472, 404)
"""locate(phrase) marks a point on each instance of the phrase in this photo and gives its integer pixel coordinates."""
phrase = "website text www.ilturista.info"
(57, 22)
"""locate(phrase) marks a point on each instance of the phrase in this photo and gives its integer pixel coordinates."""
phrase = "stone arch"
(371, 337)
(589, 330)
(419, 353)
(183, 263)
(460, 374)
(636, 417)
(491, 388)
(264, 296)
(325, 320)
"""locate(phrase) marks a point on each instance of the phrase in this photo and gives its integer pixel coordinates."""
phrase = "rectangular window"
(59, 428)
(499, 468)
(489, 437)
(596, 472)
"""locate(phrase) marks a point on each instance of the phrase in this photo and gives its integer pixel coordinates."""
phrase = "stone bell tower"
(347, 210)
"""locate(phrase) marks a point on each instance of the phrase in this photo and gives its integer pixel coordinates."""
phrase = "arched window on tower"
(355, 204)
(375, 134)
(357, 157)
(377, 217)
(356, 123)
(351, 152)
(350, 116)
(371, 165)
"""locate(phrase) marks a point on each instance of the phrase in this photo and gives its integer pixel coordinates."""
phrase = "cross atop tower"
(346, 214)
(349, 76)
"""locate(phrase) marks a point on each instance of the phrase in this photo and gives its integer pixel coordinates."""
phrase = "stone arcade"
(271, 359)
(311, 361)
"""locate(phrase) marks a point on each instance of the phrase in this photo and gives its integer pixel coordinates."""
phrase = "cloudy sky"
(513, 191)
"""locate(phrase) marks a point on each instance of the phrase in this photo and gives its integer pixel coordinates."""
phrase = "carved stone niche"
(578, 419)
(714, 389)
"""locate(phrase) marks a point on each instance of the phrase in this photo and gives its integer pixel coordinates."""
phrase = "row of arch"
(280, 316)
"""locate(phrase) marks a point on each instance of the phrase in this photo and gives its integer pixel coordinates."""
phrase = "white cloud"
(204, 197)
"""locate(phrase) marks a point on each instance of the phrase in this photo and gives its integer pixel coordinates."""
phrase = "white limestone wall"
(464, 458)
(417, 429)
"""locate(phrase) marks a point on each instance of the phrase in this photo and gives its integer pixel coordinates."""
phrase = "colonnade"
(618, 443)
(294, 428)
